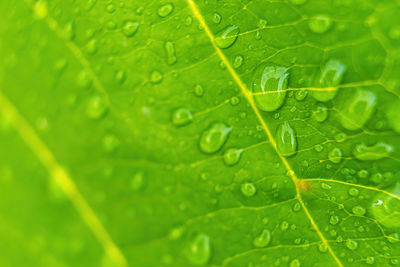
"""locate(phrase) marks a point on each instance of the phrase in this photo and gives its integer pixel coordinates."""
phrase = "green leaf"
(200, 133)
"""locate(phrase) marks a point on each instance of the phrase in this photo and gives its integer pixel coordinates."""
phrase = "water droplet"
(318, 147)
(232, 156)
(334, 220)
(165, 10)
(238, 61)
(341, 137)
(198, 90)
(188, 21)
(263, 239)
(156, 77)
(181, 117)
(216, 18)
(301, 94)
(199, 251)
(295, 263)
(96, 107)
(358, 210)
(378, 151)
(284, 225)
(369, 260)
(91, 47)
(385, 208)
(335, 155)
(40, 9)
(234, 100)
(358, 109)
(213, 138)
(170, 50)
(248, 189)
(392, 115)
(297, 207)
(353, 192)
(320, 24)
(286, 139)
(322, 248)
(69, 31)
(227, 36)
(129, 28)
(110, 8)
(326, 186)
(321, 114)
(351, 244)
(331, 76)
(363, 173)
(269, 86)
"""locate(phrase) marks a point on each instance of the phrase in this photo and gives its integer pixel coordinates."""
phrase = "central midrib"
(196, 12)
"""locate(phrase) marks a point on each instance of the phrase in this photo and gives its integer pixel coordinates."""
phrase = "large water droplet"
(331, 76)
(378, 151)
(199, 251)
(227, 36)
(181, 116)
(351, 244)
(269, 86)
(321, 114)
(385, 208)
(213, 138)
(286, 139)
(358, 109)
(263, 239)
(320, 24)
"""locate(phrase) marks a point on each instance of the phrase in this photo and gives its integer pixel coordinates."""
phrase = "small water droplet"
(129, 28)
(232, 156)
(165, 10)
(110, 143)
(351, 244)
(92, 47)
(320, 24)
(286, 139)
(238, 61)
(326, 186)
(378, 151)
(216, 18)
(370, 260)
(353, 192)
(322, 248)
(96, 107)
(358, 210)
(170, 50)
(248, 189)
(181, 117)
(341, 137)
(156, 77)
(214, 137)
(334, 220)
(301, 94)
(331, 76)
(335, 155)
(385, 208)
(198, 90)
(137, 182)
(358, 109)
(392, 115)
(227, 37)
(269, 86)
(69, 31)
(199, 250)
(263, 239)
(295, 263)
(321, 113)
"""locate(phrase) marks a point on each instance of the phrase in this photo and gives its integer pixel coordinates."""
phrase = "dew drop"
(358, 109)
(340, 137)
(358, 210)
(322, 248)
(199, 250)
(301, 94)
(269, 86)
(170, 50)
(385, 208)
(351, 244)
(137, 182)
(213, 138)
(69, 31)
(227, 36)
(238, 61)
(321, 114)
(263, 239)
(320, 24)
(110, 143)
(286, 139)
(370, 260)
(129, 28)
(92, 47)
(198, 90)
(334, 220)
(156, 77)
(165, 10)
(295, 263)
(335, 155)
(378, 151)
(96, 107)
(353, 192)
(248, 189)
(181, 117)
(232, 156)
(331, 76)
(216, 18)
